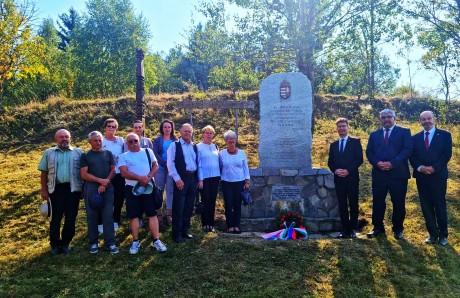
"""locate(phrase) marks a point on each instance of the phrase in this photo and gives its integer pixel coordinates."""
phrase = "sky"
(170, 19)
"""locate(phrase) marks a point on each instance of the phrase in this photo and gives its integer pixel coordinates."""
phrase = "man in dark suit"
(345, 157)
(432, 151)
(388, 151)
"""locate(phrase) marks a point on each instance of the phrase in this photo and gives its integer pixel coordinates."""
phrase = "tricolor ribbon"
(287, 233)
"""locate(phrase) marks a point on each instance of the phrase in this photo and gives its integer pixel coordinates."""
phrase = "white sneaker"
(159, 245)
(135, 248)
(100, 229)
(115, 226)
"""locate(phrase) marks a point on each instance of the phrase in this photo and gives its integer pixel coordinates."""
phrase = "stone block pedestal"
(310, 192)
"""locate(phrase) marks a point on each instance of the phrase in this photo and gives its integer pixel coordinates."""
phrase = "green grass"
(220, 265)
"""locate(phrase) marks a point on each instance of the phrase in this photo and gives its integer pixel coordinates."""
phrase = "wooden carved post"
(140, 102)
(236, 124)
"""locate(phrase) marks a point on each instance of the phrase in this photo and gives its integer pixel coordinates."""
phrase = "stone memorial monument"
(285, 121)
(285, 178)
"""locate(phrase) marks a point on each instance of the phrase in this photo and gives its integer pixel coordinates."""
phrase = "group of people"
(389, 150)
(116, 170)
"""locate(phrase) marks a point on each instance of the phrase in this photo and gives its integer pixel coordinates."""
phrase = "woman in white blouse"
(235, 177)
(208, 176)
(114, 144)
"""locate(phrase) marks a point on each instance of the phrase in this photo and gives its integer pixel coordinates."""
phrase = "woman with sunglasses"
(162, 178)
(114, 144)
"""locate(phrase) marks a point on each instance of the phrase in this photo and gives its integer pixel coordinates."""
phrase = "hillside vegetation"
(216, 265)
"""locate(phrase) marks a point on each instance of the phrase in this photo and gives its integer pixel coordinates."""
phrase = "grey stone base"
(309, 192)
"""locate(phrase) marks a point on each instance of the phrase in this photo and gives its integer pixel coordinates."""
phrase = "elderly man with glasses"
(388, 151)
(135, 168)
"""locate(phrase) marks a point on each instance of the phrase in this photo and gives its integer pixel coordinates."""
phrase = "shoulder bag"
(156, 193)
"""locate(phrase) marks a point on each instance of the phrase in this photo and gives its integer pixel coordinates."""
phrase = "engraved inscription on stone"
(285, 121)
(286, 193)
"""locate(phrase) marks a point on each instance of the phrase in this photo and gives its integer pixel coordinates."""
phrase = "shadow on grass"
(16, 206)
(210, 265)
(385, 267)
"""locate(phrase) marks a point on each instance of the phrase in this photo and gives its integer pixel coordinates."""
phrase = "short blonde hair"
(208, 127)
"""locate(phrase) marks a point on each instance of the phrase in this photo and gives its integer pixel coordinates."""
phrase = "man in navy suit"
(432, 151)
(388, 151)
(345, 157)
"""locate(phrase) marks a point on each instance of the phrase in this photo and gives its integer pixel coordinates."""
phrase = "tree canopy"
(338, 45)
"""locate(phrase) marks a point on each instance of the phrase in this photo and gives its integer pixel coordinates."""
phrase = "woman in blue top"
(208, 176)
(162, 179)
(235, 177)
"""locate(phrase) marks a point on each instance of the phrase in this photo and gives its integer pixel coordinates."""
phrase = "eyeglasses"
(111, 126)
(133, 141)
(386, 117)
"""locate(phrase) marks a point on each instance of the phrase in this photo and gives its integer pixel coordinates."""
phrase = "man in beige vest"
(61, 184)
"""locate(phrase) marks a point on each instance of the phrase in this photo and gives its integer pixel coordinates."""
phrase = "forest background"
(339, 45)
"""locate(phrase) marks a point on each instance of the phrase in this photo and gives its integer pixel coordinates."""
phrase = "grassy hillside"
(210, 265)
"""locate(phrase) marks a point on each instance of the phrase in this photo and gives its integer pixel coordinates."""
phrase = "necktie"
(427, 143)
(341, 145)
(387, 131)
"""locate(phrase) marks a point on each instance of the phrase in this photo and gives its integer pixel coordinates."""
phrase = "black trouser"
(347, 191)
(64, 203)
(397, 188)
(208, 197)
(182, 208)
(232, 199)
(118, 183)
(432, 193)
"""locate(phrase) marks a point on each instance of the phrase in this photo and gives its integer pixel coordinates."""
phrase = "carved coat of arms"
(285, 89)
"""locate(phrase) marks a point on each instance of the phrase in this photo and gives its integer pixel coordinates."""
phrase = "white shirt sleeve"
(171, 153)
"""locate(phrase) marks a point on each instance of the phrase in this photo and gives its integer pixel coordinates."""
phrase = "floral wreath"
(286, 218)
(291, 226)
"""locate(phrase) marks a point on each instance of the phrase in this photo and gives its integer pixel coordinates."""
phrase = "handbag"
(156, 193)
(247, 200)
